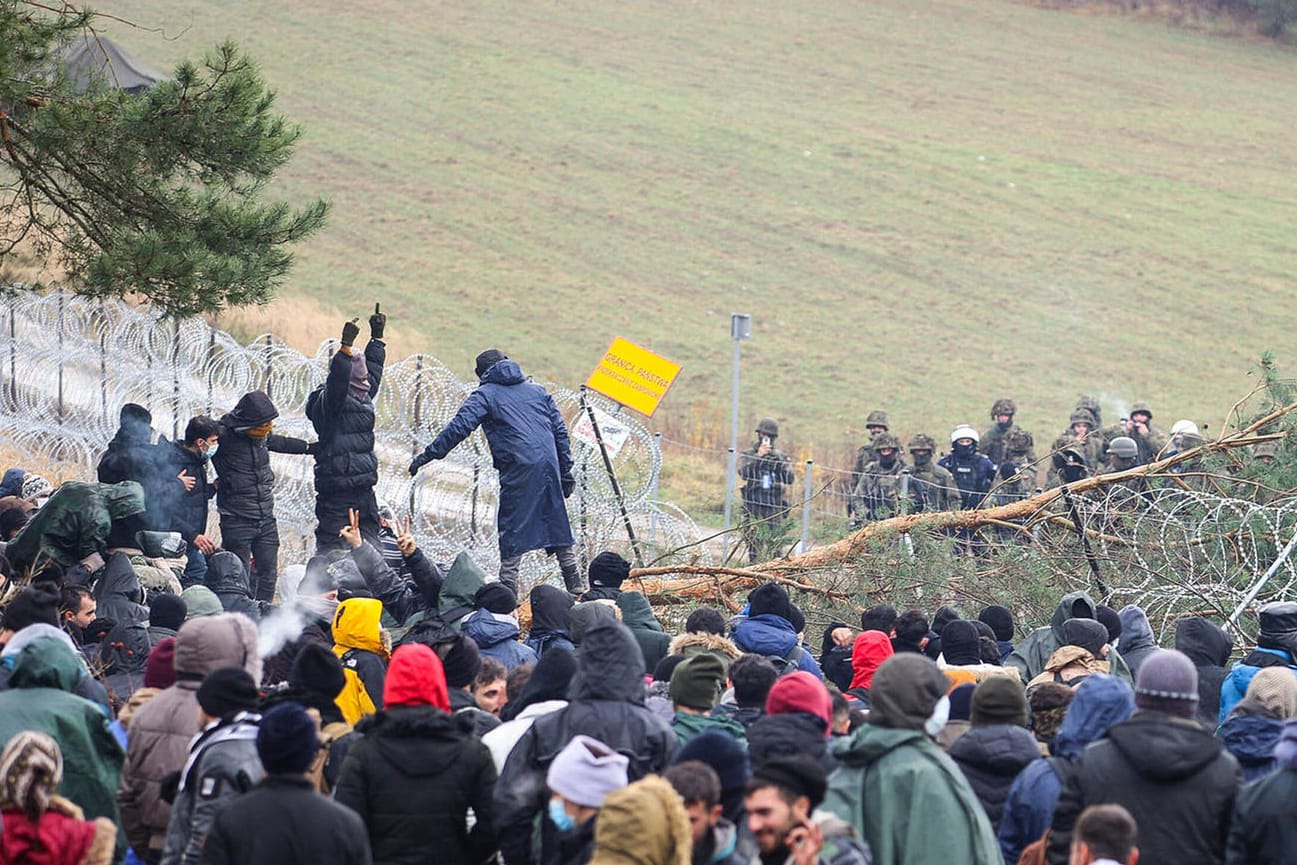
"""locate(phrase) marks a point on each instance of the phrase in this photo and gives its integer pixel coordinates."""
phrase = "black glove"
(1008, 470)
(415, 465)
(569, 484)
(169, 787)
(98, 629)
(377, 322)
(349, 333)
(313, 448)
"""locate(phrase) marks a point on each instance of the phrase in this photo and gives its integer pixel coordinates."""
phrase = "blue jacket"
(530, 450)
(497, 639)
(1251, 739)
(1234, 688)
(973, 474)
(540, 643)
(769, 634)
(1100, 702)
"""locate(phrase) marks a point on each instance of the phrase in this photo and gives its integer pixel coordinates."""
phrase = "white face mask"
(937, 720)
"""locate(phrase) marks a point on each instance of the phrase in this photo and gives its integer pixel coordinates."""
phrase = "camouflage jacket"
(938, 486)
(992, 443)
(764, 477)
(878, 491)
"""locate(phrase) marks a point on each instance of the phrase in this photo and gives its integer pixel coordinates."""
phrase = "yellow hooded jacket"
(358, 643)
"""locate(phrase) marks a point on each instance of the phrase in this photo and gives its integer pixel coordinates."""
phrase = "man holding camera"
(764, 471)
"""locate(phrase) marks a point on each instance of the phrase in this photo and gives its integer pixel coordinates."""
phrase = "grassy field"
(924, 204)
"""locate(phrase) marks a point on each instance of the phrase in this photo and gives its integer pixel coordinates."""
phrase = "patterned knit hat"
(31, 769)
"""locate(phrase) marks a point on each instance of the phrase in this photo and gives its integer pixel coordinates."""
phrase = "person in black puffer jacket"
(245, 487)
(417, 770)
(230, 582)
(342, 411)
(997, 746)
(181, 500)
(1208, 646)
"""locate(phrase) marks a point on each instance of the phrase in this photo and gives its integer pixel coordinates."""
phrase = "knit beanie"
(160, 669)
(200, 601)
(1110, 619)
(1168, 682)
(167, 611)
(697, 682)
(608, 570)
(227, 691)
(317, 672)
(461, 660)
(801, 692)
(1274, 691)
(1048, 703)
(905, 690)
(1001, 621)
(666, 668)
(705, 620)
(960, 645)
(999, 700)
(31, 769)
(770, 599)
(1086, 633)
(643, 824)
(34, 487)
(496, 598)
(796, 618)
(961, 701)
(799, 774)
(723, 753)
(586, 771)
(37, 603)
(287, 740)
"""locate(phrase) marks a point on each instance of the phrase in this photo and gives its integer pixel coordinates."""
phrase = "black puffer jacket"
(1208, 646)
(119, 596)
(991, 757)
(411, 778)
(245, 485)
(181, 510)
(607, 704)
(231, 582)
(1172, 775)
(346, 460)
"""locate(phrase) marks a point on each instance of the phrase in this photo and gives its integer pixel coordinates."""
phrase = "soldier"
(1068, 467)
(765, 471)
(938, 484)
(1091, 404)
(1081, 436)
(1017, 471)
(876, 422)
(886, 487)
(993, 440)
(1123, 453)
(1139, 428)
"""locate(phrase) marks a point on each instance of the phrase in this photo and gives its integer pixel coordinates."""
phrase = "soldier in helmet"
(1091, 404)
(1068, 466)
(993, 440)
(1123, 454)
(1139, 428)
(886, 487)
(765, 471)
(876, 422)
(1080, 436)
(938, 484)
(1017, 471)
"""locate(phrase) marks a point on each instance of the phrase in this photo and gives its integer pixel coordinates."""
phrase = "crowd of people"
(168, 698)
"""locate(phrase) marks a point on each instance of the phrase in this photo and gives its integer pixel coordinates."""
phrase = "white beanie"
(586, 771)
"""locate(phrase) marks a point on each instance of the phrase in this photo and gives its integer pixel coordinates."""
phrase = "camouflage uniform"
(764, 506)
(1017, 478)
(1091, 446)
(1150, 444)
(864, 455)
(993, 440)
(938, 483)
(878, 492)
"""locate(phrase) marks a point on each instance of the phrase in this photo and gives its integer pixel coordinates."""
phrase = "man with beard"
(782, 796)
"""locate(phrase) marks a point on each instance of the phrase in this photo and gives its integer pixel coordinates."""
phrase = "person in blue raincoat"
(530, 450)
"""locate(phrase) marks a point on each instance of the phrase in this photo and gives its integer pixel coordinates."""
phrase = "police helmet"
(1124, 447)
(964, 431)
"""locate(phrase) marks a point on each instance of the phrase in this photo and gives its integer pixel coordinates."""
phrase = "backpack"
(354, 701)
(785, 664)
(329, 734)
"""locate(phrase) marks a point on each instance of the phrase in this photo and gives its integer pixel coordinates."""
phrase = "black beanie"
(959, 644)
(287, 740)
(609, 570)
(460, 659)
(770, 599)
(488, 359)
(799, 774)
(227, 691)
(1086, 633)
(495, 598)
(944, 616)
(317, 672)
(167, 611)
(1000, 620)
(36, 604)
(666, 668)
(796, 618)
(1110, 619)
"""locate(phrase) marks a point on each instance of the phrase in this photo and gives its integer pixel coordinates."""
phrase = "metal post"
(1265, 578)
(729, 498)
(211, 365)
(740, 329)
(103, 363)
(612, 478)
(60, 333)
(418, 424)
(270, 344)
(13, 353)
(175, 379)
(653, 494)
(806, 505)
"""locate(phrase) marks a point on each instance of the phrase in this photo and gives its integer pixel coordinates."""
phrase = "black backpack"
(785, 664)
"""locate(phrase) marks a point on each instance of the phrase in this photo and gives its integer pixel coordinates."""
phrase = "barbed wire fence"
(69, 363)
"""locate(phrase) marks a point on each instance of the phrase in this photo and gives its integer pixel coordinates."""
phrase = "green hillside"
(925, 204)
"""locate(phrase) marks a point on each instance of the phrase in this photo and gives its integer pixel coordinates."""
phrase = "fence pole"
(806, 505)
(1265, 578)
(13, 352)
(175, 378)
(418, 422)
(729, 497)
(270, 346)
(103, 362)
(60, 332)
(211, 365)
(653, 494)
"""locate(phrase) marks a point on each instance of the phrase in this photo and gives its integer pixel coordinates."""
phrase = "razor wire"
(68, 364)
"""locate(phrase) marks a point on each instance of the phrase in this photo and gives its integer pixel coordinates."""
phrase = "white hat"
(1184, 426)
(964, 431)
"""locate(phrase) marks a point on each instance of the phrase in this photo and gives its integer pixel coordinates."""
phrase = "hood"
(585, 615)
(1163, 748)
(870, 744)
(253, 410)
(636, 613)
(785, 735)
(550, 681)
(767, 634)
(227, 576)
(201, 601)
(211, 642)
(1251, 738)
(1000, 749)
(119, 581)
(1066, 609)
(488, 630)
(125, 499)
(551, 609)
(1065, 655)
(392, 730)
(1099, 702)
(1206, 643)
(46, 662)
(690, 644)
(416, 678)
(356, 625)
(868, 652)
(610, 665)
(462, 582)
(1136, 633)
(504, 372)
(35, 632)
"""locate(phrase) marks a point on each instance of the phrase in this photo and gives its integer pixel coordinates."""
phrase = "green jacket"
(908, 800)
(40, 698)
(74, 523)
(687, 725)
(637, 614)
(463, 580)
(1031, 655)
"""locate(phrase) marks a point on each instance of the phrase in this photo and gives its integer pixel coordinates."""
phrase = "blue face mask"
(210, 452)
(559, 817)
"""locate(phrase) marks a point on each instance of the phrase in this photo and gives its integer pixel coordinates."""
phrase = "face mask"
(210, 452)
(937, 720)
(922, 458)
(559, 817)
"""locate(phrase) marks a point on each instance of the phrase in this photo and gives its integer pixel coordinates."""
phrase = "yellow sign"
(633, 376)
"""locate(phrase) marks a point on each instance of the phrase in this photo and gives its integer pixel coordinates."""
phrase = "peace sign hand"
(351, 532)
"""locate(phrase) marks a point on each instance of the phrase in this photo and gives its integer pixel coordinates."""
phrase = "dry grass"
(305, 322)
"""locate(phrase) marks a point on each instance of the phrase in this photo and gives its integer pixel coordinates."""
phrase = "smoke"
(1123, 407)
(281, 628)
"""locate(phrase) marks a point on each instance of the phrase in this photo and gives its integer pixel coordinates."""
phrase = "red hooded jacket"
(415, 678)
(867, 655)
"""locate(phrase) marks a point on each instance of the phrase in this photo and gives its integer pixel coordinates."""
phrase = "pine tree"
(158, 195)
